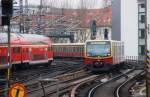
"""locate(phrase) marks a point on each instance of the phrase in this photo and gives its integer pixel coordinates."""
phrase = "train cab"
(102, 55)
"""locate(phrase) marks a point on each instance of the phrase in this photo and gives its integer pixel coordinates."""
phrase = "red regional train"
(26, 49)
(68, 50)
(103, 55)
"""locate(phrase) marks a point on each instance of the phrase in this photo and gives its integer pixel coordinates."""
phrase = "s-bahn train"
(68, 50)
(98, 55)
(103, 55)
(26, 49)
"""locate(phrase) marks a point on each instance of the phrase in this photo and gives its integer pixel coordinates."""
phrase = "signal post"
(7, 12)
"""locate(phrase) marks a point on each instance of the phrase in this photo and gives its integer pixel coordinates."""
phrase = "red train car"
(25, 49)
(103, 55)
(68, 50)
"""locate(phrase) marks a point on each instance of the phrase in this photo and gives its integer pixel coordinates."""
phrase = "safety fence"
(137, 61)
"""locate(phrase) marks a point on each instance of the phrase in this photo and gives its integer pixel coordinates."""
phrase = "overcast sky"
(69, 3)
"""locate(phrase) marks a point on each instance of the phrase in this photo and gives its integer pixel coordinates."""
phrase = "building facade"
(141, 29)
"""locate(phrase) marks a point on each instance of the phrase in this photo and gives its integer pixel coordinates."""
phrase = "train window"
(16, 50)
(77, 49)
(69, 49)
(2, 59)
(39, 57)
(73, 49)
(27, 50)
(64, 50)
(57, 49)
(82, 49)
(60, 49)
(49, 48)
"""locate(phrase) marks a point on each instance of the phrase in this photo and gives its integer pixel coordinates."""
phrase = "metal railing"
(137, 61)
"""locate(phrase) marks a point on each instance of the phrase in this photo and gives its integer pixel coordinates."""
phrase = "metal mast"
(26, 23)
(40, 18)
(21, 17)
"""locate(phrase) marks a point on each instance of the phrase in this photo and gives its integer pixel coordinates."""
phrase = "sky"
(69, 3)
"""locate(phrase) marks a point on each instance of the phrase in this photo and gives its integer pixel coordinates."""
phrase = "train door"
(30, 54)
(50, 53)
(25, 55)
(16, 55)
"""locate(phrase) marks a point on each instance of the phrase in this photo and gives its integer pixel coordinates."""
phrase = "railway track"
(30, 77)
(123, 89)
(107, 89)
(89, 87)
(27, 75)
(66, 81)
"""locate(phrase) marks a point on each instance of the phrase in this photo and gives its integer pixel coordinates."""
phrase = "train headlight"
(108, 54)
(98, 64)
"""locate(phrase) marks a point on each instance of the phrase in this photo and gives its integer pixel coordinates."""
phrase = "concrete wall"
(116, 19)
(125, 24)
(129, 26)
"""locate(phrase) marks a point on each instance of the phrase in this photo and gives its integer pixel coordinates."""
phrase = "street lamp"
(49, 80)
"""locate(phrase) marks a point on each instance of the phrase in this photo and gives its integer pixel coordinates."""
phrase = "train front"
(98, 55)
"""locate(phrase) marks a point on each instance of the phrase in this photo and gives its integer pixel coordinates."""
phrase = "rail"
(124, 83)
(91, 92)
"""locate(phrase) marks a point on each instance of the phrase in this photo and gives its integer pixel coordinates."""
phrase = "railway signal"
(7, 11)
(93, 29)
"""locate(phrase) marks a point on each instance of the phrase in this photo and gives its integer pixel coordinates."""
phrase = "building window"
(141, 50)
(142, 33)
(142, 5)
(142, 18)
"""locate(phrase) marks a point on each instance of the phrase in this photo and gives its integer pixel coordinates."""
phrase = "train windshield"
(98, 49)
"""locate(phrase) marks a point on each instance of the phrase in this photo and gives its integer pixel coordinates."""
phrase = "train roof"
(24, 39)
(68, 44)
(104, 40)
